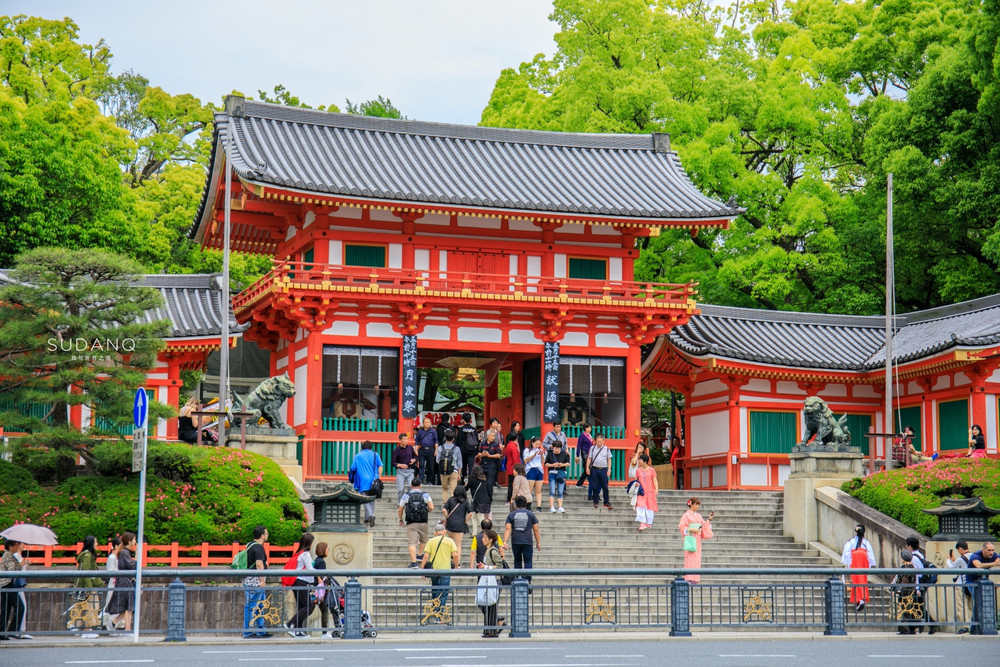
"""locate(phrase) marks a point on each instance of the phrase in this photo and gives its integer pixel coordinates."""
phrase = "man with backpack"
(253, 586)
(923, 580)
(449, 464)
(414, 508)
(468, 440)
(443, 427)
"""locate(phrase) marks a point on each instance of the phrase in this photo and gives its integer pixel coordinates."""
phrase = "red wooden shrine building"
(402, 246)
(745, 374)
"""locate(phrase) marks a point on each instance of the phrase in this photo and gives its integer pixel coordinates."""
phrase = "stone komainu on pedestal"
(831, 433)
(265, 401)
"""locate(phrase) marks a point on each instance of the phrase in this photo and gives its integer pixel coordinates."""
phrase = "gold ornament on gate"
(600, 608)
(264, 610)
(433, 610)
(756, 606)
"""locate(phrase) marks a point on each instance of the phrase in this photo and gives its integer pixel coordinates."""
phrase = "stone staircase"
(748, 533)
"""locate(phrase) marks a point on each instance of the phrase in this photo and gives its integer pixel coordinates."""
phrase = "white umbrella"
(29, 533)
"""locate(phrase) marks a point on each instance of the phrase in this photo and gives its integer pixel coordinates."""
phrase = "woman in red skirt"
(858, 554)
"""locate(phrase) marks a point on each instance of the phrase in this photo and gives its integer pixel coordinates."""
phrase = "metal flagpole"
(890, 302)
(224, 349)
(139, 553)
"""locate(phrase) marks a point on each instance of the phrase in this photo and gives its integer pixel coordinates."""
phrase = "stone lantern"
(963, 518)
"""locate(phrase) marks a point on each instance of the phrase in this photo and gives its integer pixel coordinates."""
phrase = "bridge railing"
(210, 602)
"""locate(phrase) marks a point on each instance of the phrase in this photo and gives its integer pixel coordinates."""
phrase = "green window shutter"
(858, 426)
(773, 432)
(364, 255)
(911, 417)
(307, 258)
(953, 425)
(591, 269)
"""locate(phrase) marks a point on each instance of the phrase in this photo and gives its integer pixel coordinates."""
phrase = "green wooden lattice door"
(364, 255)
(911, 417)
(591, 269)
(773, 432)
(858, 425)
(953, 425)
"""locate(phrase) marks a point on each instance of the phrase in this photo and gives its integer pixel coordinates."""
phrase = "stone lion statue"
(821, 422)
(265, 400)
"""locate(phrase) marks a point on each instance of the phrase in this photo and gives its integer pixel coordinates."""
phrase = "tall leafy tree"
(73, 333)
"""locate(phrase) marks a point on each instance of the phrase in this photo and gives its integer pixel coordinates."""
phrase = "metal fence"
(178, 603)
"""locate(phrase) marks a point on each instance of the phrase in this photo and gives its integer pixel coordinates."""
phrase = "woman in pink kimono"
(645, 505)
(694, 529)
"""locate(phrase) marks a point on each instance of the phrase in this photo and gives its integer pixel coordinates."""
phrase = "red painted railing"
(461, 284)
(170, 555)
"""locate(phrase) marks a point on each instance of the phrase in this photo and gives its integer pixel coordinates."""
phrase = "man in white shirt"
(962, 562)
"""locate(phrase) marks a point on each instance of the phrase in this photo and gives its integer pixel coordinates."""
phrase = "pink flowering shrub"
(903, 494)
(193, 495)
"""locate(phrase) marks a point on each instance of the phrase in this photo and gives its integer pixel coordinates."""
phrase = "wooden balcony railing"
(288, 275)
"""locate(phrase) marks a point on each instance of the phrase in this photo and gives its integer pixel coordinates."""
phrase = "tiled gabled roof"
(632, 176)
(192, 303)
(835, 342)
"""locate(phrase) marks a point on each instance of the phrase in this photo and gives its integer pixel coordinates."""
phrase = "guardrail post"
(680, 608)
(836, 622)
(352, 609)
(986, 607)
(519, 608)
(176, 602)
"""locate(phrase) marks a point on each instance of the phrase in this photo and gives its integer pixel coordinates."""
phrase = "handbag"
(377, 488)
(430, 561)
(691, 541)
(487, 592)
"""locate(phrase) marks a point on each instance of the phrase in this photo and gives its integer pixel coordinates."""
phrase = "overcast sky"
(435, 59)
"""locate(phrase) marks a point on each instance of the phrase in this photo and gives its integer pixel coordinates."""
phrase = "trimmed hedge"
(193, 495)
(903, 494)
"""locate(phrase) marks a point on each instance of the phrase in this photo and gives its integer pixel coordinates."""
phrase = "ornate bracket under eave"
(551, 324)
(409, 319)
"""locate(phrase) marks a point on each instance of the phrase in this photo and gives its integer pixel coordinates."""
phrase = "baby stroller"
(335, 601)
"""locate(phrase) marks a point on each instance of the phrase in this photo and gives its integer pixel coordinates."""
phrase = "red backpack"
(292, 564)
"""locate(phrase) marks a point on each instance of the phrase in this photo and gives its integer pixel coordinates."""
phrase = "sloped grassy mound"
(902, 494)
(193, 495)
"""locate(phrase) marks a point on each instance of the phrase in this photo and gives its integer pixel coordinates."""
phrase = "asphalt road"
(572, 652)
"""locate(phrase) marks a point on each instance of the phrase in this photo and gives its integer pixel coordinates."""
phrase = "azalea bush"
(904, 494)
(193, 495)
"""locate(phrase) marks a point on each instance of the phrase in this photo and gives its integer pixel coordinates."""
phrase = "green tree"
(380, 107)
(72, 333)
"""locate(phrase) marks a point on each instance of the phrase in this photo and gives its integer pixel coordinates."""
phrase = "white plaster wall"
(603, 230)
(435, 333)
(349, 212)
(290, 233)
(942, 382)
(792, 404)
(512, 268)
(791, 388)
(380, 330)
(478, 223)
(578, 338)
(559, 266)
(783, 472)
(744, 430)
(309, 219)
(442, 264)
(615, 268)
(395, 258)
(337, 253)
(477, 335)
(708, 387)
(343, 328)
(156, 376)
(757, 384)
(435, 219)
(422, 259)
(995, 377)
(518, 225)
(604, 340)
(711, 401)
(534, 266)
(281, 363)
(865, 391)
(301, 353)
(835, 390)
(85, 417)
(961, 379)
(301, 394)
(710, 433)
(522, 337)
(719, 474)
(163, 396)
(991, 423)
(753, 474)
(913, 389)
(572, 228)
(382, 214)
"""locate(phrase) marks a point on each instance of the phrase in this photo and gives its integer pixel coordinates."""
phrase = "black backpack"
(471, 440)
(416, 508)
(448, 462)
(927, 578)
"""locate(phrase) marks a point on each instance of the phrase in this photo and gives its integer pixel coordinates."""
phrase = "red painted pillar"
(173, 391)
(928, 439)
(733, 405)
(633, 393)
(517, 390)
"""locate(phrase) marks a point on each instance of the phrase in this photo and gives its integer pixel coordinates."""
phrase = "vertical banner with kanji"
(550, 394)
(409, 377)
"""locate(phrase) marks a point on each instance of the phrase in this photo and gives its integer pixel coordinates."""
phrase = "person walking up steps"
(414, 508)
(449, 465)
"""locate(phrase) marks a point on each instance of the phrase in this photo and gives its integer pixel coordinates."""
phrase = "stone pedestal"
(279, 445)
(811, 470)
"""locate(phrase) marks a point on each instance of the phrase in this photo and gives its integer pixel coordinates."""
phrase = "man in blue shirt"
(365, 469)
(982, 563)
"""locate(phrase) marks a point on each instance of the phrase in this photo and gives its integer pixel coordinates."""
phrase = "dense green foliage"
(193, 495)
(796, 111)
(903, 494)
(72, 333)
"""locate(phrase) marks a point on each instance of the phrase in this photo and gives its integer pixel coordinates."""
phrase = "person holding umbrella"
(12, 608)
